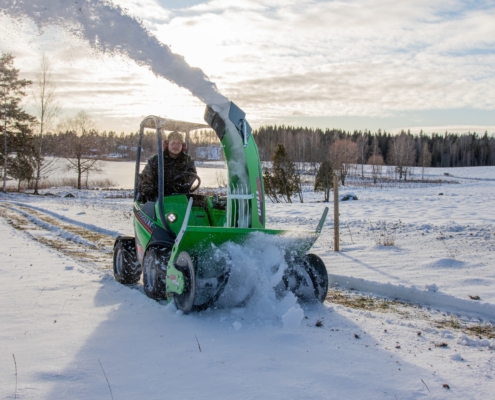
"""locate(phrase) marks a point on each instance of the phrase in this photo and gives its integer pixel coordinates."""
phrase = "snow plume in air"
(107, 28)
(255, 283)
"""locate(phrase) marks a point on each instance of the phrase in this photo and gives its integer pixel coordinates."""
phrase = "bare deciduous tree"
(402, 153)
(363, 150)
(80, 139)
(47, 109)
(424, 158)
(377, 164)
(344, 154)
(376, 160)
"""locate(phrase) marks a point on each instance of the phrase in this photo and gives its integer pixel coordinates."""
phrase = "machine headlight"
(172, 217)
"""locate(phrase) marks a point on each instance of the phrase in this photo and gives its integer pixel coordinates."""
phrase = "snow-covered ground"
(400, 322)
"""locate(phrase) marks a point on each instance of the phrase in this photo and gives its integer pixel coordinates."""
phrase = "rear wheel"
(126, 268)
(154, 272)
(185, 300)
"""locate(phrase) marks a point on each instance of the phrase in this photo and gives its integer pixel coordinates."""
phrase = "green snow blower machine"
(175, 235)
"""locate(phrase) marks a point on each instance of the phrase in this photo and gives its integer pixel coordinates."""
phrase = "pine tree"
(324, 179)
(268, 183)
(22, 169)
(16, 124)
(283, 174)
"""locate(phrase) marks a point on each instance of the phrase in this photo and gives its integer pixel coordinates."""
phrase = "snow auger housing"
(174, 234)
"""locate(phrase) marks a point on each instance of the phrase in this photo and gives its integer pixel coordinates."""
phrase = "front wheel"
(154, 272)
(317, 271)
(307, 278)
(185, 300)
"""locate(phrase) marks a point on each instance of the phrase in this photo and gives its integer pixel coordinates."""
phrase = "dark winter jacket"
(173, 167)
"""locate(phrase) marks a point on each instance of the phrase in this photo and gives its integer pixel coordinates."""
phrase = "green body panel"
(255, 172)
(206, 216)
(175, 280)
(142, 235)
(198, 238)
(200, 216)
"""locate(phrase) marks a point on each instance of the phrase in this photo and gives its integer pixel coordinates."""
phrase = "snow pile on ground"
(476, 342)
(293, 317)
(256, 268)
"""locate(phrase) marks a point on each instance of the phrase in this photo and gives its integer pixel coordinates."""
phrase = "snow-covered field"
(121, 173)
(406, 321)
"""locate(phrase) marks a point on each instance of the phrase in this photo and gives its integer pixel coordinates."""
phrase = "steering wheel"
(186, 182)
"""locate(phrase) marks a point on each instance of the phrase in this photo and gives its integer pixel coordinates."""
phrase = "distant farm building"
(210, 152)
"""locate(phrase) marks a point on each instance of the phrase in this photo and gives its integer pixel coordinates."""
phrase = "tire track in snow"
(79, 243)
(62, 218)
(81, 232)
(64, 232)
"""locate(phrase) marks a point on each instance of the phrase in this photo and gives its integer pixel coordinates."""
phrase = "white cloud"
(314, 58)
(358, 57)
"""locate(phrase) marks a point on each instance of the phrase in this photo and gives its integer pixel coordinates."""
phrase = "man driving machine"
(179, 170)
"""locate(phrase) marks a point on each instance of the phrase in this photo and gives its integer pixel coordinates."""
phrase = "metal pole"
(336, 238)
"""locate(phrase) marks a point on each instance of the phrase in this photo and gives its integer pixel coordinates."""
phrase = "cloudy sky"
(351, 64)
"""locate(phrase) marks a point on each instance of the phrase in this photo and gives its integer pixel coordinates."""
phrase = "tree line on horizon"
(436, 150)
(309, 145)
(79, 142)
(27, 140)
(325, 154)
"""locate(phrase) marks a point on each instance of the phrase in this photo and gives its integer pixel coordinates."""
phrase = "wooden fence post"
(336, 238)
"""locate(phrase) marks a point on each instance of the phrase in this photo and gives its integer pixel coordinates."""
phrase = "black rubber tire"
(315, 267)
(126, 268)
(185, 300)
(155, 272)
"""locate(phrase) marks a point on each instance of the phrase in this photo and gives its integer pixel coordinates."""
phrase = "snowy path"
(56, 255)
(61, 319)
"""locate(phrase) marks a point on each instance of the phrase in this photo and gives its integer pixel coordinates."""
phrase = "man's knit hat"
(175, 136)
